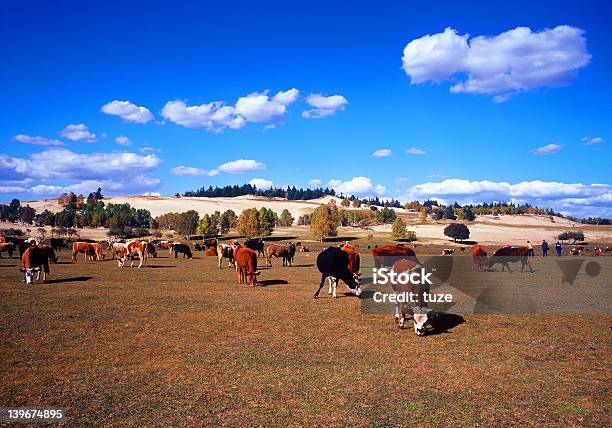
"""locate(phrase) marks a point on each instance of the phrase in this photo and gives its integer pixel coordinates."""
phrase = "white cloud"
(218, 115)
(548, 149)
(261, 183)
(128, 111)
(151, 194)
(78, 132)
(382, 153)
(416, 151)
(240, 166)
(359, 186)
(314, 182)
(123, 140)
(590, 141)
(287, 97)
(12, 189)
(572, 199)
(502, 65)
(323, 106)
(38, 141)
(149, 149)
(193, 171)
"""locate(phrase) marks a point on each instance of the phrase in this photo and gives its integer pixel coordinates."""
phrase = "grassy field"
(179, 342)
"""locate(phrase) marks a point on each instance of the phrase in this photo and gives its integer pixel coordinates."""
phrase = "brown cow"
(479, 257)
(386, 255)
(246, 266)
(448, 251)
(7, 247)
(510, 254)
(421, 315)
(287, 252)
(210, 252)
(34, 260)
(83, 247)
(50, 253)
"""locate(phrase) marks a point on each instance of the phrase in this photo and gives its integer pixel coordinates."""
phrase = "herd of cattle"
(336, 264)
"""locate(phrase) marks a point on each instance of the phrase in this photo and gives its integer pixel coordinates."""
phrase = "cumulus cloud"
(118, 172)
(571, 199)
(78, 132)
(382, 153)
(122, 140)
(193, 171)
(238, 166)
(416, 151)
(502, 65)
(548, 149)
(218, 115)
(314, 182)
(359, 186)
(261, 183)
(37, 141)
(591, 141)
(323, 106)
(128, 111)
(12, 189)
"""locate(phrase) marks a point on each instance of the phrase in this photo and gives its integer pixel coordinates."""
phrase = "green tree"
(356, 203)
(399, 231)
(228, 220)
(324, 222)
(457, 231)
(385, 215)
(449, 213)
(573, 235)
(345, 202)
(208, 226)
(423, 214)
(248, 223)
(285, 219)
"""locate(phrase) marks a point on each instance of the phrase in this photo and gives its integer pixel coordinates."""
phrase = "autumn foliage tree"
(324, 222)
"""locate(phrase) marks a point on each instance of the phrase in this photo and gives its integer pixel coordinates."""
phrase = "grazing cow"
(7, 247)
(354, 263)
(256, 245)
(210, 252)
(421, 316)
(304, 249)
(334, 262)
(246, 266)
(225, 251)
(210, 243)
(34, 260)
(181, 248)
(510, 254)
(479, 257)
(287, 252)
(58, 243)
(150, 248)
(448, 252)
(386, 255)
(132, 249)
(164, 245)
(97, 251)
(198, 247)
(83, 247)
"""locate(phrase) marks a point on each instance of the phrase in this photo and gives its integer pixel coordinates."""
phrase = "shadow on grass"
(442, 322)
(74, 279)
(280, 238)
(341, 239)
(8, 265)
(158, 266)
(266, 282)
(302, 266)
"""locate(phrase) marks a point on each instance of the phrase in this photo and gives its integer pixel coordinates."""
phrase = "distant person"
(544, 248)
(530, 252)
(558, 248)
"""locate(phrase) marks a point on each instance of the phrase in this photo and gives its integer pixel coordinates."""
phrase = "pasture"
(178, 342)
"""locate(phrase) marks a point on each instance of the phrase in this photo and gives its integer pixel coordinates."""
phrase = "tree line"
(290, 193)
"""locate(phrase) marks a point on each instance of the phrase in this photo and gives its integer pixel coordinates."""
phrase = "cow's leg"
(335, 287)
(269, 261)
(219, 258)
(330, 280)
(320, 286)
(508, 266)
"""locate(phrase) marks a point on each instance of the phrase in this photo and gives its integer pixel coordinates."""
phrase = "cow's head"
(421, 318)
(29, 274)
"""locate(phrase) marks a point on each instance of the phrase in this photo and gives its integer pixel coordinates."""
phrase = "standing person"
(558, 248)
(544, 248)
(530, 252)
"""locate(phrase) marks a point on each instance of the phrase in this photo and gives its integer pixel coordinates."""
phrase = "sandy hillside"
(486, 229)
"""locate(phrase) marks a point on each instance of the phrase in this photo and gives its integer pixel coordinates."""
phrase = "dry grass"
(179, 343)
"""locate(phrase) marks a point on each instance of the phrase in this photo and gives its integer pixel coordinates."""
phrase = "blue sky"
(504, 113)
